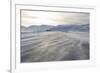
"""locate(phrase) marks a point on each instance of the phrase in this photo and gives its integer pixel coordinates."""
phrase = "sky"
(29, 18)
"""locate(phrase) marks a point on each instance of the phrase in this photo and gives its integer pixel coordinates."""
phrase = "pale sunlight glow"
(29, 18)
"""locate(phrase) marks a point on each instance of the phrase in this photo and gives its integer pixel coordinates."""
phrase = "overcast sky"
(53, 18)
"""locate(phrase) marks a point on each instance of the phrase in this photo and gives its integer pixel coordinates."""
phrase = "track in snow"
(54, 46)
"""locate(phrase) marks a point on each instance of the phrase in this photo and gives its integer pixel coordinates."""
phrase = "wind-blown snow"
(54, 46)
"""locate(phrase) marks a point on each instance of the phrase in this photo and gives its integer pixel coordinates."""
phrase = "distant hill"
(66, 28)
(39, 28)
(23, 28)
(63, 28)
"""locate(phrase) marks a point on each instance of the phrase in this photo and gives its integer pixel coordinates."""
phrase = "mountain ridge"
(63, 28)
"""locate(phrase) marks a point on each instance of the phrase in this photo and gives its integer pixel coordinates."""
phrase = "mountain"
(39, 28)
(63, 28)
(23, 28)
(66, 28)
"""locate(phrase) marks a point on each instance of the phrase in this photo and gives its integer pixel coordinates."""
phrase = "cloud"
(53, 18)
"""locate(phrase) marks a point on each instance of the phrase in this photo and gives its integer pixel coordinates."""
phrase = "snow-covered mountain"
(66, 28)
(63, 28)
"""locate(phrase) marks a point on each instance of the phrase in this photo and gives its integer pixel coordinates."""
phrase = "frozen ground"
(54, 46)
